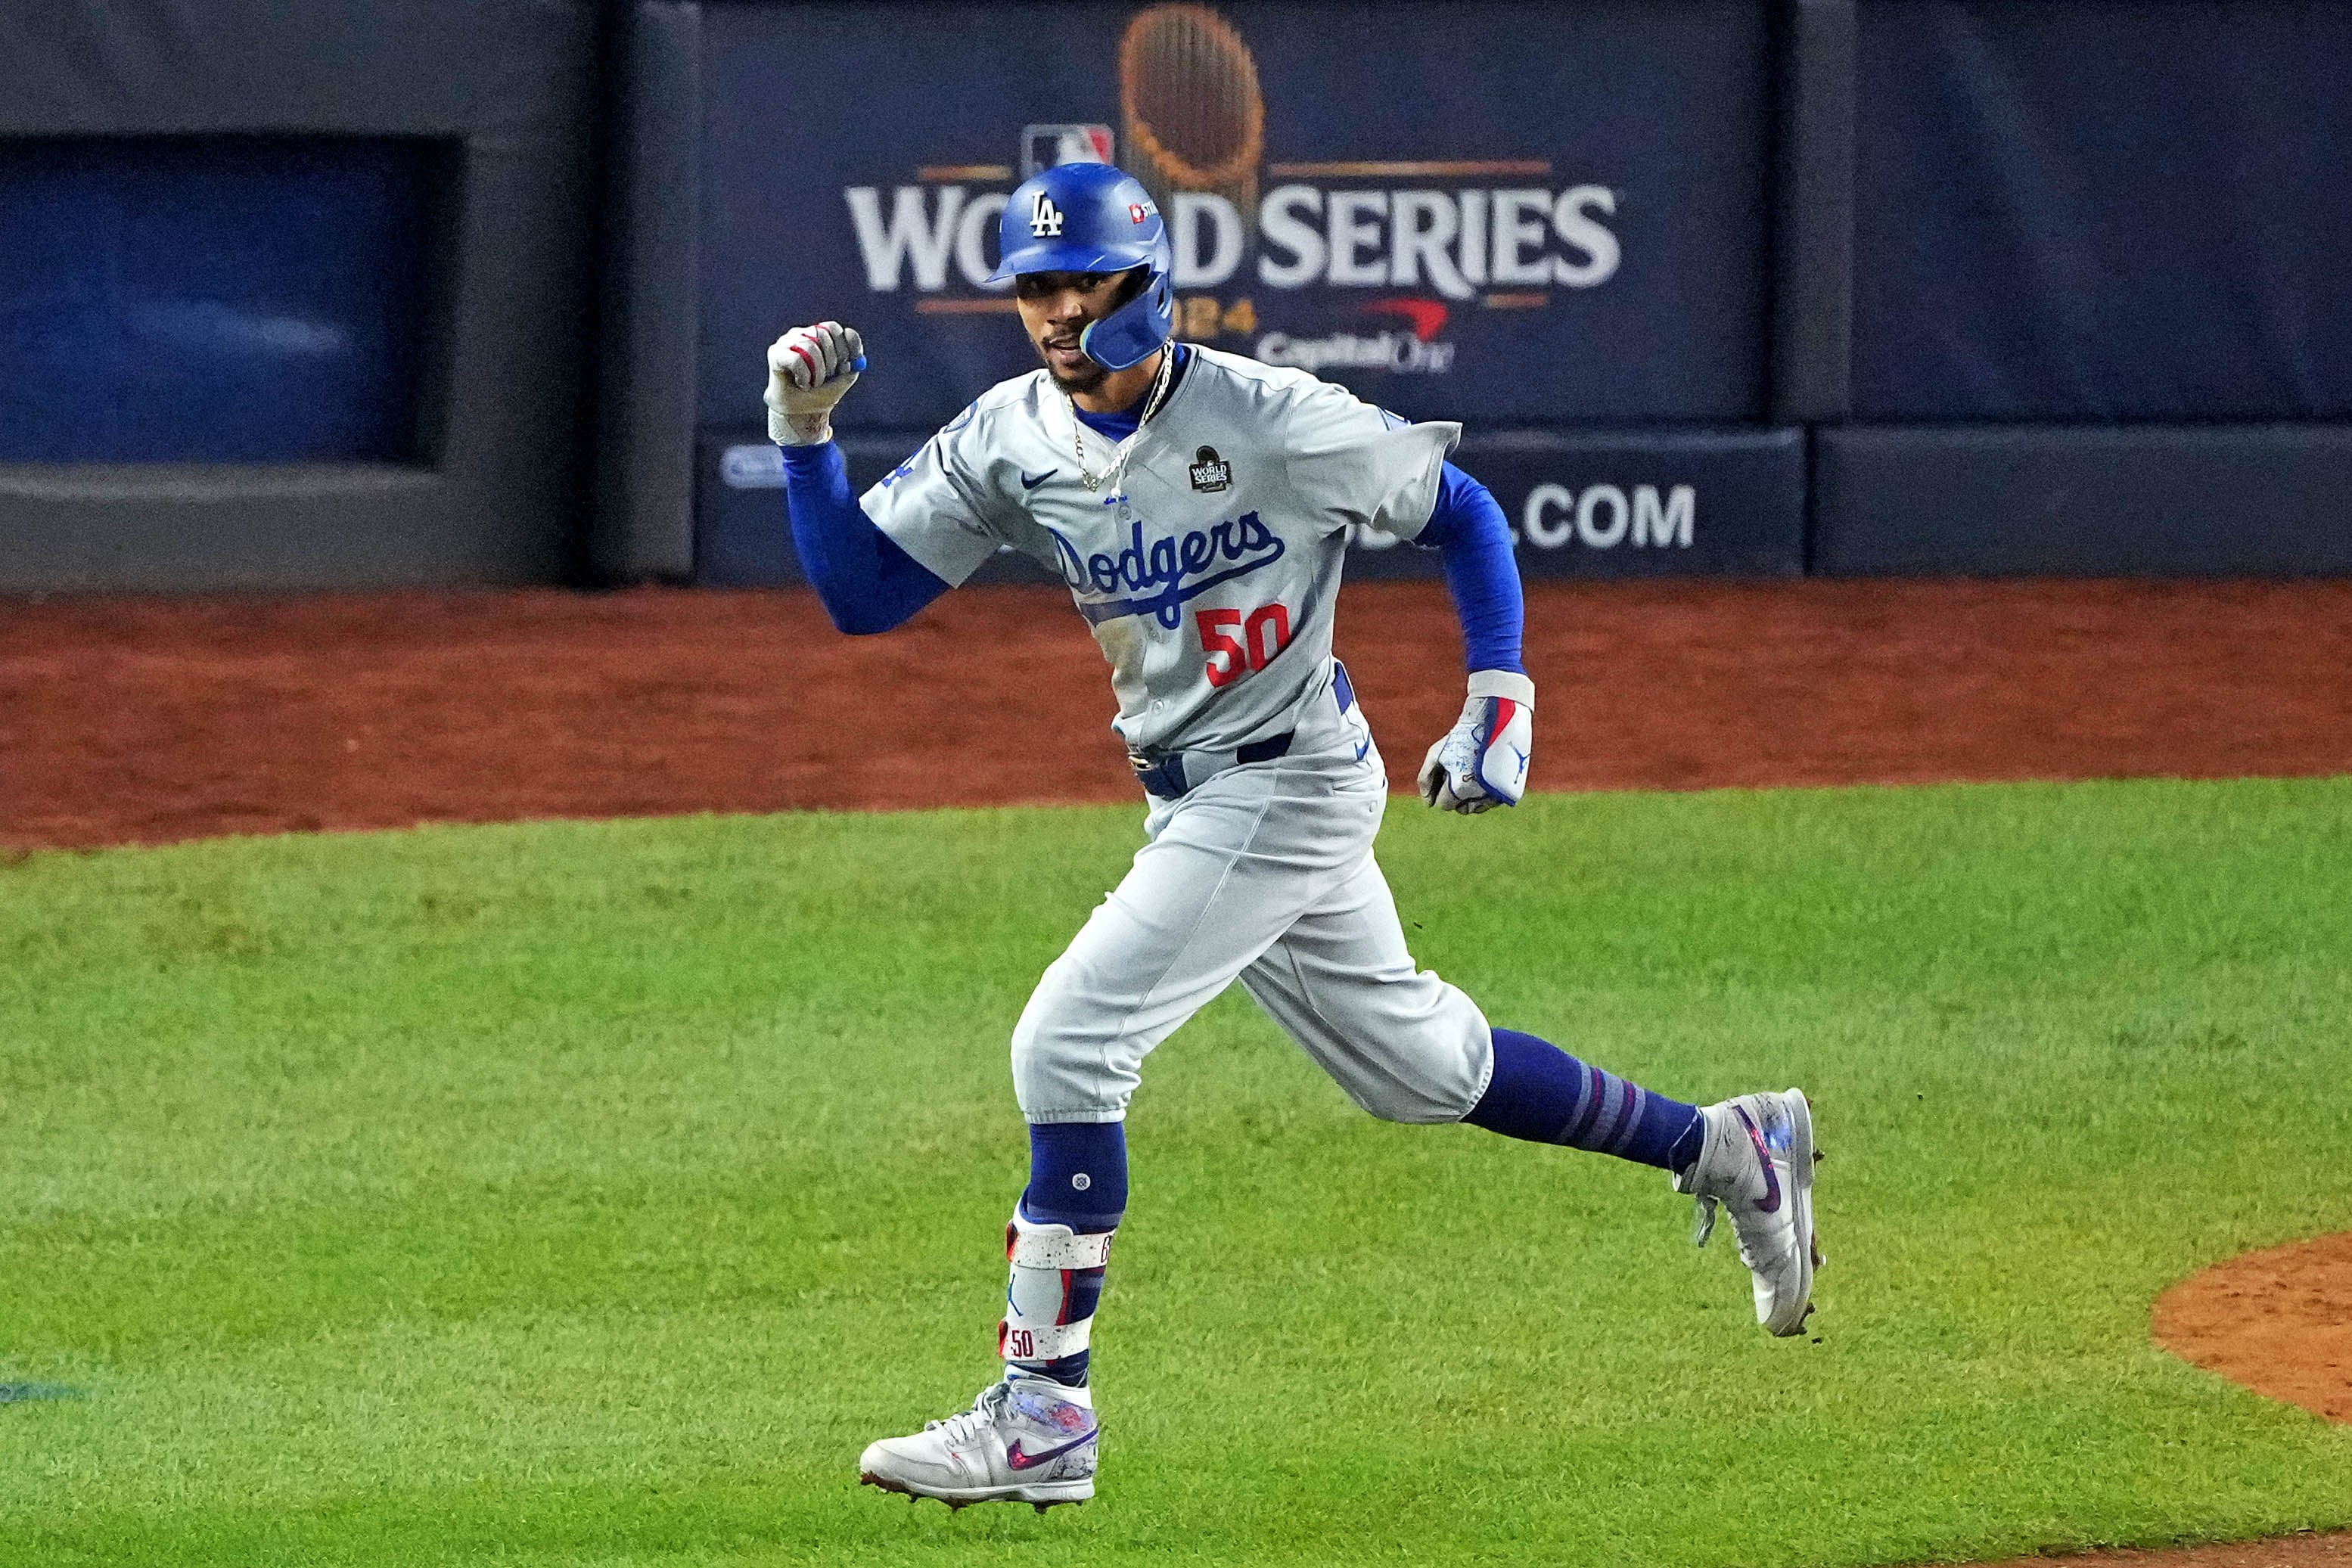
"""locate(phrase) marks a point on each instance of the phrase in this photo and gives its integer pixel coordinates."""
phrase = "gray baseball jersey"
(1208, 559)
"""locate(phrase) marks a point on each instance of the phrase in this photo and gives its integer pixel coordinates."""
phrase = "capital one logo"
(1045, 218)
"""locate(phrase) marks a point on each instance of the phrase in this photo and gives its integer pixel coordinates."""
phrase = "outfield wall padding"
(2084, 501)
(1834, 221)
(485, 490)
(1812, 237)
(1676, 239)
(2076, 212)
(642, 516)
(1594, 504)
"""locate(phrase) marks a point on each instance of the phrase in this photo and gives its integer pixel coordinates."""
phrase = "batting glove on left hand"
(809, 370)
(1482, 762)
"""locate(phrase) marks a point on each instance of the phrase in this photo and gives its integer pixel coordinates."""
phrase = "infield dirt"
(2286, 1552)
(2278, 1320)
(150, 721)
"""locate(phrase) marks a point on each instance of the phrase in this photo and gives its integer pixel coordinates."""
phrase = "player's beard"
(1083, 381)
(1096, 372)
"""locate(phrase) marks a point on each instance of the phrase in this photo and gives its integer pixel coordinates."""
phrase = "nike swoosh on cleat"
(1019, 1460)
(1771, 1201)
(1029, 484)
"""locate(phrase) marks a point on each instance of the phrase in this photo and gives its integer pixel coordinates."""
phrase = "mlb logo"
(1051, 146)
(1137, 213)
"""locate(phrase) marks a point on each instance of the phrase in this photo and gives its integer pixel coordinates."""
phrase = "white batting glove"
(1482, 762)
(809, 368)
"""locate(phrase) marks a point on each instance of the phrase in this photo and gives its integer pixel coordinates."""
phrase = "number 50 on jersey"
(1263, 632)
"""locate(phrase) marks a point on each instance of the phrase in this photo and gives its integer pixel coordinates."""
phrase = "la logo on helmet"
(1045, 218)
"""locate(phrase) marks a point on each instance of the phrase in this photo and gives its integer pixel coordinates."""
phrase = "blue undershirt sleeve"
(1473, 544)
(865, 580)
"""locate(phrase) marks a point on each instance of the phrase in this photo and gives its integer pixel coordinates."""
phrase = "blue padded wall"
(2098, 212)
(225, 298)
(2250, 500)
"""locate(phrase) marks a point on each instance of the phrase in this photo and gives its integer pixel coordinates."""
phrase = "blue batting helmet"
(1091, 217)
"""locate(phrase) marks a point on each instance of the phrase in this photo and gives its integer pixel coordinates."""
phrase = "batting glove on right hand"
(1482, 762)
(809, 368)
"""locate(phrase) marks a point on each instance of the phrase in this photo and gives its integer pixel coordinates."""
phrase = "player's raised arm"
(865, 582)
(1481, 762)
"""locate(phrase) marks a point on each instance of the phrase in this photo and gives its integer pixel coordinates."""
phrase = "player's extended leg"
(1408, 1047)
(1224, 874)
(1752, 1156)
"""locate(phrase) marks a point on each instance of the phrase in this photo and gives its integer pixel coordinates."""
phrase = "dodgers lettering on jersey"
(1208, 563)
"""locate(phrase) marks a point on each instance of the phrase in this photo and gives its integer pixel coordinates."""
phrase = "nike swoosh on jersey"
(1029, 484)
(1020, 1460)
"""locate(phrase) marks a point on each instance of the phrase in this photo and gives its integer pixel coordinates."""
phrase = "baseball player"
(1198, 505)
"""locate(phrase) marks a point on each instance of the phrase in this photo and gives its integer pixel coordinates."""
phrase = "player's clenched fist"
(809, 368)
(1482, 762)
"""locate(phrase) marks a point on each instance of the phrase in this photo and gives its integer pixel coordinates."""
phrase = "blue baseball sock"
(1077, 1177)
(1077, 1174)
(1541, 1094)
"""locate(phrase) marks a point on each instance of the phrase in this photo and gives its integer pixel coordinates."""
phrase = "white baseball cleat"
(1756, 1160)
(1024, 1439)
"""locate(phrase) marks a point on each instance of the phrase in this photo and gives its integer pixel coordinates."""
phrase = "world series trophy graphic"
(1193, 118)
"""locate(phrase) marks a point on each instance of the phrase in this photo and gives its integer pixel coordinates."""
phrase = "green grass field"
(591, 1193)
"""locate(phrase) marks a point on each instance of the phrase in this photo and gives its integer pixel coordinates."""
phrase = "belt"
(1172, 776)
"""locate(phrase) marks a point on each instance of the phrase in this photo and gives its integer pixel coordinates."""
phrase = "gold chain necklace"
(1159, 385)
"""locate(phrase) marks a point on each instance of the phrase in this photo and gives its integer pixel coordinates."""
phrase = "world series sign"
(1491, 213)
